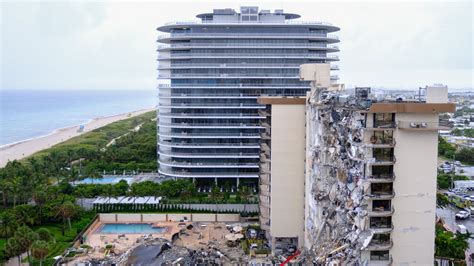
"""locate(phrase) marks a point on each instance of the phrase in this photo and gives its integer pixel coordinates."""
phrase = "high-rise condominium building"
(215, 69)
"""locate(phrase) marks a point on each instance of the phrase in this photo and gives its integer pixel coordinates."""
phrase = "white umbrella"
(237, 228)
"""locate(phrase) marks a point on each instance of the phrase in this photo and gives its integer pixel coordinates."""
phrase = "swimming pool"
(105, 180)
(136, 228)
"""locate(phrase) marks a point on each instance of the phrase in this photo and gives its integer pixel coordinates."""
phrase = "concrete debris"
(338, 218)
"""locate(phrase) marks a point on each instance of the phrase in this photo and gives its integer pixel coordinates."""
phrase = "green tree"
(245, 194)
(25, 214)
(45, 235)
(26, 237)
(40, 250)
(466, 155)
(442, 200)
(66, 211)
(40, 198)
(8, 224)
(121, 187)
(13, 249)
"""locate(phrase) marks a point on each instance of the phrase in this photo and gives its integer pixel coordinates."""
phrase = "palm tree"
(81, 192)
(244, 193)
(5, 187)
(13, 249)
(8, 224)
(26, 237)
(25, 214)
(66, 210)
(40, 250)
(15, 188)
(40, 198)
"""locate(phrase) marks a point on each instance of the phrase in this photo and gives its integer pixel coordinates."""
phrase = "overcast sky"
(112, 45)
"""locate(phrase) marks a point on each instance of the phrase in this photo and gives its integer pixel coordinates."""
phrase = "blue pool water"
(104, 180)
(130, 229)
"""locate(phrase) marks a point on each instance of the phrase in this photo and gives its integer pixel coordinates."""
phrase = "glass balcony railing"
(213, 86)
(207, 155)
(207, 174)
(210, 144)
(233, 65)
(251, 45)
(174, 163)
(283, 35)
(209, 135)
(209, 125)
(213, 115)
(247, 55)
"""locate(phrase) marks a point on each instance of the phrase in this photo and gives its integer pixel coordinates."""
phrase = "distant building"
(215, 69)
(370, 175)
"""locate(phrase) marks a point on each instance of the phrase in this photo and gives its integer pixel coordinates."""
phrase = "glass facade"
(212, 74)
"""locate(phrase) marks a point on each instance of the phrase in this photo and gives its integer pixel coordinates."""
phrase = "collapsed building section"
(369, 173)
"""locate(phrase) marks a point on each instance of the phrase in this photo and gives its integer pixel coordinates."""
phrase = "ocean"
(26, 114)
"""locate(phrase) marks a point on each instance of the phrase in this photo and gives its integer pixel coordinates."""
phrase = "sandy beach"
(19, 150)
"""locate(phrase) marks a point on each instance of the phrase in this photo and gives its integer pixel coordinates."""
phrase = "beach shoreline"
(24, 148)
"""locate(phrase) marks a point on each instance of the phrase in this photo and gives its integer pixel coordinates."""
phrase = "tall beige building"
(369, 177)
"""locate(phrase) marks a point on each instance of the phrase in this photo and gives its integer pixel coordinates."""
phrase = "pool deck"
(123, 241)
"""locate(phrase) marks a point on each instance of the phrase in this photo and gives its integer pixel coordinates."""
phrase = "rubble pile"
(337, 218)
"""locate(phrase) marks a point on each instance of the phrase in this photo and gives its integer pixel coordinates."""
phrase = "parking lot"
(448, 214)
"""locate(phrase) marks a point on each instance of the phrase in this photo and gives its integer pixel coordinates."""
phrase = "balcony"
(207, 96)
(422, 126)
(238, 86)
(207, 155)
(233, 66)
(380, 195)
(210, 125)
(233, 35)
(210, 145)
(174, 163)
(212, 106)
(380, 245)
(380, 126)
(381, 211)
(316, 46)
(264, 158)
(207, 175)
(211, 115)
(228, 76)
(215, 135)
(247, 55)
(382, 156)
(381, 178)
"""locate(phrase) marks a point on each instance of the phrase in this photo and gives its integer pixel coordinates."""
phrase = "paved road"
(448, 214)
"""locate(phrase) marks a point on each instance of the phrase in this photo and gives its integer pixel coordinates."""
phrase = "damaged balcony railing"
(381, 211)
(380, 178)
(379, 244)
(423, 126)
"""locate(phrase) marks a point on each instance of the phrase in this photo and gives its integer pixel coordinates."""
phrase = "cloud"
(112, 45)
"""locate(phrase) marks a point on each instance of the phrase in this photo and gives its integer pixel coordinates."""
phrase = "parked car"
(461, 215)
(462, 229)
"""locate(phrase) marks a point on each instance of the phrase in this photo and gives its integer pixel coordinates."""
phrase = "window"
(381, 205)
(382, 137)
(382, 188)
(383, 154)
(382, 171)
(380, 222)
(379, 255)
(384, 120)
